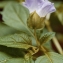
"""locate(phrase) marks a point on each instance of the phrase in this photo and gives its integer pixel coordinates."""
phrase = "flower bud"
(35, 21)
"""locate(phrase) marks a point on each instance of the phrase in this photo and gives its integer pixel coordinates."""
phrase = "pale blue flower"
(42, 7)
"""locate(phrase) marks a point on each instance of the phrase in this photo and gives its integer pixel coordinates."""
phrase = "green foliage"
(16, 15)
(55, 57)
(27, 44)
(16, 41)
(3, 3)
(46, 37)
(8, 30)
(4, 58)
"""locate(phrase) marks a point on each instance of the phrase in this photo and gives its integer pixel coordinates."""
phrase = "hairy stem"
(38, 43)
(41, 47)
(46, 53)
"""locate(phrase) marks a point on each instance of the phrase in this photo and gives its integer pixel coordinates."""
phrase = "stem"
(41, 47)
(38, 43)
(62, 18)
(55, 41)
(45, 52)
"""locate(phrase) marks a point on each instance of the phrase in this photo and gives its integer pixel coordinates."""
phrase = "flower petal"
(47, 7)
(31, 5)
(42, 7)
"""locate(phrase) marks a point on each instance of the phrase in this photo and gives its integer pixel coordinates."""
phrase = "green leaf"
(16, 15)
(14, 52)
(15, 45)
(48, 46)
(46, 37)
(4, 58)
(39, 32)
(6, 30)
(3, 3)
(55, 57)
(16, 41)
(18, 60)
